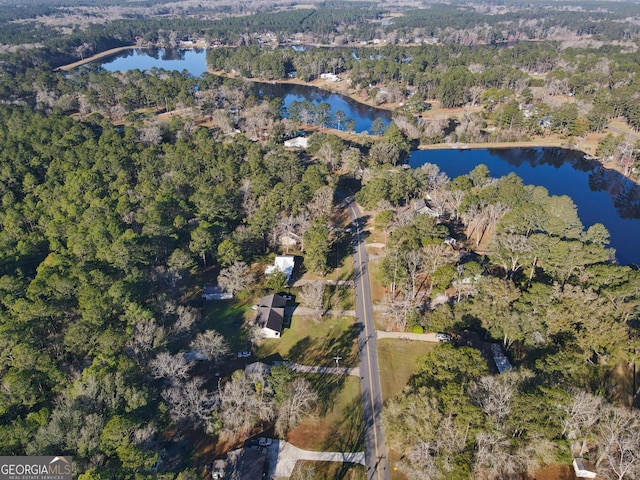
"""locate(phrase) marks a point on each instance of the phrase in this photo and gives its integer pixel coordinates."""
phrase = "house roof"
(245, 464)
(258, 368)
(284, 263)
(272, 301)
(271, 318)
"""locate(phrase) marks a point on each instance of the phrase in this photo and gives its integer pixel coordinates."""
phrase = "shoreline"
(97, 56)
(340, 88)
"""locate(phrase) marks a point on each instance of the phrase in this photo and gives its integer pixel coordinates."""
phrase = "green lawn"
(397, 361)
(227, 318)
(315, 343)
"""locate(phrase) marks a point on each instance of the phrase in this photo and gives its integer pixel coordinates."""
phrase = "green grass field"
(397, 361)
(315, 343)
(227, 317)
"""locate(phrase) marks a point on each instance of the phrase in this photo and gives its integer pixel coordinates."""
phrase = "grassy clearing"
(315, 343)
(330, 470)
(227, 318)
(338, 425)
(397, 361)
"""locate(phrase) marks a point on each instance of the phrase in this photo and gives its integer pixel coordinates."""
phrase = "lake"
(601, 195)
(194, 62)
(191, 60)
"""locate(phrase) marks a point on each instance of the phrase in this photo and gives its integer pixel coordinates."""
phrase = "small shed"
(215, 293)
(502, 362)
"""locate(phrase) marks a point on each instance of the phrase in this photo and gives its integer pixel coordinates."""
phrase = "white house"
(298, 142)
(270, 316)
(330, 77)
(284, 263)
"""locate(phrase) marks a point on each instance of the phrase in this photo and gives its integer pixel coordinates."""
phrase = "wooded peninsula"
(139, 332)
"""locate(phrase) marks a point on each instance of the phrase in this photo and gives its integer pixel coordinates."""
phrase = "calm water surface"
(602, 196)
(191, 60)
(195, 63)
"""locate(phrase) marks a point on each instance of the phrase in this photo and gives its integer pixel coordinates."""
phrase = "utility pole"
(337, 359)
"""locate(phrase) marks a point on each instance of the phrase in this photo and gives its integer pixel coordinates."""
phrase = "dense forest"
(113, 216)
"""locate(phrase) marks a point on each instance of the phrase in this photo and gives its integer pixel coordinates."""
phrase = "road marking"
(364, 312)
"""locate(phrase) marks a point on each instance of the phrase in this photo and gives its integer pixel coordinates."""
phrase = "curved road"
(376, 458)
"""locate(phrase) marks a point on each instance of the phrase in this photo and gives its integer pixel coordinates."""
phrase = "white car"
(264, 442)
(443, 337)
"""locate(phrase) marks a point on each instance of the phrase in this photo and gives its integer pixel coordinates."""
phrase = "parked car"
(264, 442)
(443, 337)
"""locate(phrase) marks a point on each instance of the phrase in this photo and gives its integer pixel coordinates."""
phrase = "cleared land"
(397, 360)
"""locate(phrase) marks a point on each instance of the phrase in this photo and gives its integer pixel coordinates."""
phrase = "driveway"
(283, 457)
(420, 337)
(331, 370)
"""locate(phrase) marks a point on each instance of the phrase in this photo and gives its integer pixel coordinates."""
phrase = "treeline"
(101, 230)
(497, 78)
(546, 291)
(518, 22)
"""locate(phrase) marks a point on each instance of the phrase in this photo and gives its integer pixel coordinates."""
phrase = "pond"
(601, 195)
(194, 62)
(191, 60)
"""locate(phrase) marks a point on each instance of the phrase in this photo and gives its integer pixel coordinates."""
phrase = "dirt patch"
(306, 435)
(555, 472)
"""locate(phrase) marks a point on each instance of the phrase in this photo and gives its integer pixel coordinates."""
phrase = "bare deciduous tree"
(173, 367)
(235, 278)
(493, 395)
(186, 317)
(494, 459)
(237, 407)
(619, 446)
(312, 296)
(579, 419)
(300, 400)
(212, 345)
(146, 336)
(322, 202)
(189, 402)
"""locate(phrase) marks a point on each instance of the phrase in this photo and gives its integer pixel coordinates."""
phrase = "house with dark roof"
(241, 464)
(270, 316)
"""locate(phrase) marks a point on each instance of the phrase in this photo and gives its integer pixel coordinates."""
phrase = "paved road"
(375, 450)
